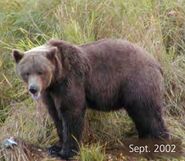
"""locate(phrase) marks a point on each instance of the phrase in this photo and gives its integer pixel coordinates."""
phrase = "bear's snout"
(34, 86)
(33, 89)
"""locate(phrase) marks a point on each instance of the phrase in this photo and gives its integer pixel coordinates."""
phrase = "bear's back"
(113, 64)
(117, 50)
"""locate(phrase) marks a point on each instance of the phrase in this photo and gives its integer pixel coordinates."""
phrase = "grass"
(92, 153)
(157, 26)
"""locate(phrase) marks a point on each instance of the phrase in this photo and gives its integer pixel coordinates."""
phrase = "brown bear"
(105, 75)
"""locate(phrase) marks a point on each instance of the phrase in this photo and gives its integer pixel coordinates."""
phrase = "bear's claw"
(67, 155)
(54, 150)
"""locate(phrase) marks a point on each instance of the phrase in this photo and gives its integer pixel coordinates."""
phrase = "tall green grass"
(157, 26)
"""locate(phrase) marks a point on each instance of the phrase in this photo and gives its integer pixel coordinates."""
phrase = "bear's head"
(37, 68)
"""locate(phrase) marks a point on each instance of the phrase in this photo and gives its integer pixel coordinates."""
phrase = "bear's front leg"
(73, 122)
(47, 100)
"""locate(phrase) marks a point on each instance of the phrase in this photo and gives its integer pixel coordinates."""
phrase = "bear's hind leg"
(148, 120)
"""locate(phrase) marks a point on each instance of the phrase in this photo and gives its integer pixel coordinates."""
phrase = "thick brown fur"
(105, 75)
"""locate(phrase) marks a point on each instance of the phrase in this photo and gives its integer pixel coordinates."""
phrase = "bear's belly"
(104, 101)
(103, 91)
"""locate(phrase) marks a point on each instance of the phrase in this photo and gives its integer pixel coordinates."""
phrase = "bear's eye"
(39, 73)
(27, 74)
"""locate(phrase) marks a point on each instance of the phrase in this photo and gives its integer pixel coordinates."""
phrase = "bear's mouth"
(35, 96)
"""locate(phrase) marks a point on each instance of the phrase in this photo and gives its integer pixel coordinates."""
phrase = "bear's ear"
(51, 53)
(17, 55)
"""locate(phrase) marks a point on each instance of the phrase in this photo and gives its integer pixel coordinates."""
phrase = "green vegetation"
(158, 26)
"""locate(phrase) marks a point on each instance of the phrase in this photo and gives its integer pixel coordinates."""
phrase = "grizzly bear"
(105, 75)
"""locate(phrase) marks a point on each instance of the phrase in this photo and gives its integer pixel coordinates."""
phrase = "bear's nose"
(33, 89)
